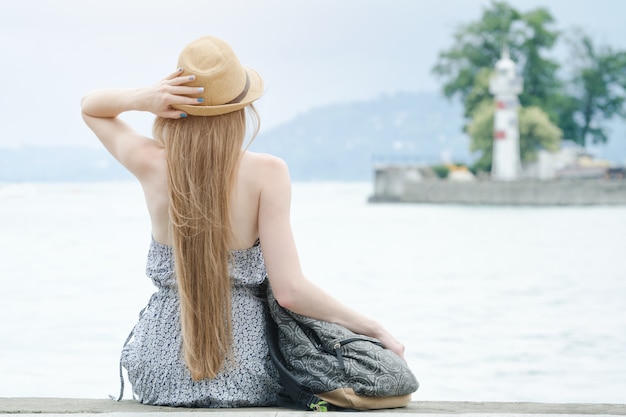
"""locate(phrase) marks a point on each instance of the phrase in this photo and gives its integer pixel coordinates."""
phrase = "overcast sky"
(310, 53)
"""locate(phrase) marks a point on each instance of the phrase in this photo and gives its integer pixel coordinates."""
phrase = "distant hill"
(340, 142)
(36, 164)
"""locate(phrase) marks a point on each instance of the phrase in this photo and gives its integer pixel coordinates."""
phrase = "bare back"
(245, 198)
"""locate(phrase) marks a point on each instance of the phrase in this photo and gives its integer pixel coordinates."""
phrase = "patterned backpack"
(324, 366)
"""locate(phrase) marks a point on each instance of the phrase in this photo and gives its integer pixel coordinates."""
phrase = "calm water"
(493, 304)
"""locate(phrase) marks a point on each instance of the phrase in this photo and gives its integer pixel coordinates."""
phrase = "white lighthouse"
(506, 85)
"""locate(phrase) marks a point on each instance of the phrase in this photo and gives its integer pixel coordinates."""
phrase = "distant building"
(570, 161)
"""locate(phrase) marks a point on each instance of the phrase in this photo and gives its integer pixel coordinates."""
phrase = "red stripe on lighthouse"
(500, 104)
(500, 134)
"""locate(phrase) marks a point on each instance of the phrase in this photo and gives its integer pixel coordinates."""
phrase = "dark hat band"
(243, 93)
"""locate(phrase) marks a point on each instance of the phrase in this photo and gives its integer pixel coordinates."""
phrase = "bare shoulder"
(266, 160)
(263, 166)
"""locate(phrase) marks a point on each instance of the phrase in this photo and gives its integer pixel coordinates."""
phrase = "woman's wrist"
(377, 330)
(135, 100)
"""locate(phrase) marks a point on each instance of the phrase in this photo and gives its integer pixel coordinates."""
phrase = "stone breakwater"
(398, 186)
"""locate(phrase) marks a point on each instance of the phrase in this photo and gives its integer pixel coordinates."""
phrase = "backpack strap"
(295, 394)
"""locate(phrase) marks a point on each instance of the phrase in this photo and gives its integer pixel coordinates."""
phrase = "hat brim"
(255, 91)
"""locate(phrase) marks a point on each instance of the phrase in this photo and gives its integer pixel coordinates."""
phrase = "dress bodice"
(246, 266)
(153, 356)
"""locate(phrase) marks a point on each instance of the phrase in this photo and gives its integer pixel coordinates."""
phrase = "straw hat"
(228, 86)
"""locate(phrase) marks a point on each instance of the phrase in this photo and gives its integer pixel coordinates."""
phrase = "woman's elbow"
(287, 297)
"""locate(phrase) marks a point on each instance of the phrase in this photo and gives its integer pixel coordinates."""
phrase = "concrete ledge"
(61, 406)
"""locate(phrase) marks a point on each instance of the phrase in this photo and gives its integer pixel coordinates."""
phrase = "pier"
(407, 184)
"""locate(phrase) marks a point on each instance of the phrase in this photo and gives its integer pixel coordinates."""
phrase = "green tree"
(535, 129)
(594, 92)
(478, 46)
(597, 92)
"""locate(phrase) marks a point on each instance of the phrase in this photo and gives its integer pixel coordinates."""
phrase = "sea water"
(492, 303)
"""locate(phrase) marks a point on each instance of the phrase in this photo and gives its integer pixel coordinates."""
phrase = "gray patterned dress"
(153, 356)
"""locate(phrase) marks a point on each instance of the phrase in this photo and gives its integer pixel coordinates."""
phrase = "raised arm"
(291, 288)
(100, 110)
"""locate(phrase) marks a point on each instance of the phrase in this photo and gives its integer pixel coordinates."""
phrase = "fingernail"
(183, 115)
(180, 70)
(192, 77)
(200, 100)
(200, 89)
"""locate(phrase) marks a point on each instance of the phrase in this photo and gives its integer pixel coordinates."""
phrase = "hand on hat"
(160, 97)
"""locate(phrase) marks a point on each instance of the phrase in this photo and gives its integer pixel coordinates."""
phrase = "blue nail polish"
(183, 115)
(200, 100)
(192, 77)
(200, 89)
(180, 70)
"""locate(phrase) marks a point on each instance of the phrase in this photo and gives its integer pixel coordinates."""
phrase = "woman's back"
(244, 199)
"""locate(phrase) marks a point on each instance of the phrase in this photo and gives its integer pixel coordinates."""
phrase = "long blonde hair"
(202, 157)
